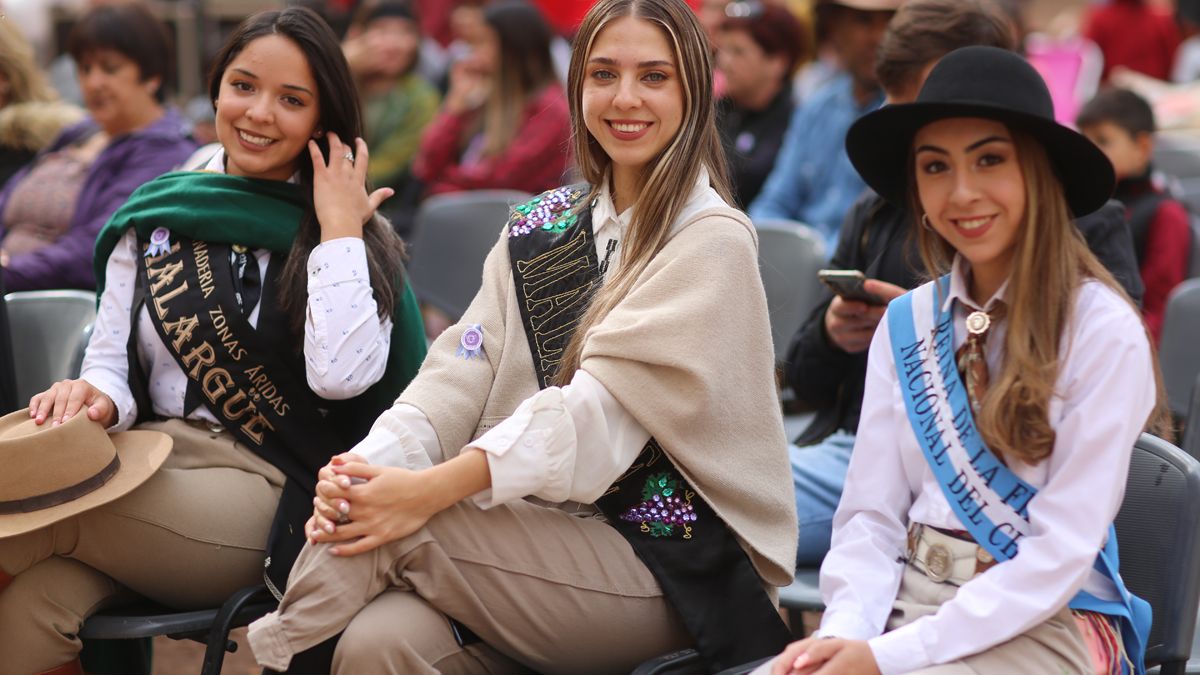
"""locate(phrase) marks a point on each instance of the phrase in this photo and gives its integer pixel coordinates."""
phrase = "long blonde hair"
(25, 79)
(1051, 262)
(666, 180)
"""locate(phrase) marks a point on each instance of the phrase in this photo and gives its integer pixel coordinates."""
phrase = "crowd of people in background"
(463, 95)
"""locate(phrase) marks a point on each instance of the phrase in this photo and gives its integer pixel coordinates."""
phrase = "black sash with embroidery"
(693, 554)
(241, 377)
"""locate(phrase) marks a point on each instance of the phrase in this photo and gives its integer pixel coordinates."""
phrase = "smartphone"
(849, 285)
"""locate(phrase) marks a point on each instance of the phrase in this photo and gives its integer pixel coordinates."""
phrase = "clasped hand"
(831, 656)
(339, 188)
(387, 504)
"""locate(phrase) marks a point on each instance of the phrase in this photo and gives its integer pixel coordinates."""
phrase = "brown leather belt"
(946, 556)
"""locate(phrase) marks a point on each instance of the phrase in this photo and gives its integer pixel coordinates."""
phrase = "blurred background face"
(749, 71)
(394, 41)
(711, 13)
(113, 90)
(485, 48)
(855, 35)
(1129, 154)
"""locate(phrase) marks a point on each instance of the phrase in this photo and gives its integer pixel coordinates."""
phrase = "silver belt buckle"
(938, 563)
(214, 427)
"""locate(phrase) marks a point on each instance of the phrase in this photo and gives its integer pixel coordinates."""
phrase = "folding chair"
(209, 626)
(1178, 350)
(49, 331)
(453, 235)
(789, 255)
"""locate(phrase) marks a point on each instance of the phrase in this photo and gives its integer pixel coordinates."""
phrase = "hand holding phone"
(848, 284)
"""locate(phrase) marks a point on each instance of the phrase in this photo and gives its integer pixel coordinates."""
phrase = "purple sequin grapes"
(550, 211)
(662, 509)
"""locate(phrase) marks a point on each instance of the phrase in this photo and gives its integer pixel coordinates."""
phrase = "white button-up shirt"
(345, 342)
(1104, 394)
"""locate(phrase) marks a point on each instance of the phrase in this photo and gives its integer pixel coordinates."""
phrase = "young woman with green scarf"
(256, 312)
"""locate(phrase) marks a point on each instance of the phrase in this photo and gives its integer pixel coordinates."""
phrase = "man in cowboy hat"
(813, 181)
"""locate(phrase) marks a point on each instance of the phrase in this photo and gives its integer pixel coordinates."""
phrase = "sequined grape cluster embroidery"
(664, 508)
(550, 211)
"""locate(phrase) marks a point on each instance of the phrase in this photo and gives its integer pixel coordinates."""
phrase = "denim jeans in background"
(819, 472)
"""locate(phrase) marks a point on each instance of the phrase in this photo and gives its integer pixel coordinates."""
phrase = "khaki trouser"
(1054, 646)
(543, 589)
(189, 536)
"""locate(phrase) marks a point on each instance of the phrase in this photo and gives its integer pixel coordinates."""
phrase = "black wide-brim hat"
(979, 82)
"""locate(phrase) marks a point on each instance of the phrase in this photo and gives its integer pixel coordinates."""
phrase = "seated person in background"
(812, 180)
(31, 116)
(827, 360)
(1033, 376)
(397, 102)
(51, 212)
(1122, 124)
(1135, 34)
(758, 53)
(504, 122)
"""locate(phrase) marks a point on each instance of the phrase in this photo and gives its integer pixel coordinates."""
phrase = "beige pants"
(1054, 646)
(187, 538)
(544, 589)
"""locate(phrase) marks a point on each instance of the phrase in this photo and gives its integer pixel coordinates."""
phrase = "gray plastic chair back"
(1191, 430)
(453, 234)
(789, 255)
(1158, 532)
(50, 330)
(1179, 352)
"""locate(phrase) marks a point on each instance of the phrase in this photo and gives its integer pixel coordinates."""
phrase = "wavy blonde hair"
(667, 179)
(1051, 262)
(25, 79)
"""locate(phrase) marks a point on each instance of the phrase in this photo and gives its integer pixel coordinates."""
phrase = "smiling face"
(267, 109)
(632, 94)
(113, 91)
(972, 189)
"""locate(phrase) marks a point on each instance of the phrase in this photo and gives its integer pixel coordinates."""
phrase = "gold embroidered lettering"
(183, 330)
(253, 427)
(222, 380)
(160, 301)
(164, 276)
(238, 397)
(198, 358)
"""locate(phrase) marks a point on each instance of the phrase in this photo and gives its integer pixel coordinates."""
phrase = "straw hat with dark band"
(979, 82)
(52, 472)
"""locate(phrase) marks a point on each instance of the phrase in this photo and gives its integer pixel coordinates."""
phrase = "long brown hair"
(340, 114)
(525, 67)
(667, 179)
(1050, 263)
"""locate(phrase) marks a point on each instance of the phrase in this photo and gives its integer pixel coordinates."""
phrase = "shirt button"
(529, 442)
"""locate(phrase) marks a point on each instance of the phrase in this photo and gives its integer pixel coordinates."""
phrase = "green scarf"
(255, 213)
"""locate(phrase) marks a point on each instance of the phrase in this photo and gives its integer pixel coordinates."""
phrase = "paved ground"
(184, 657)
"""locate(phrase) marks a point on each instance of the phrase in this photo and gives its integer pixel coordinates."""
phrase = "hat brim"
(879, 142)
(141, 453)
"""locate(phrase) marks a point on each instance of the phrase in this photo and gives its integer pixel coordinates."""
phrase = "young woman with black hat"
(950, 477)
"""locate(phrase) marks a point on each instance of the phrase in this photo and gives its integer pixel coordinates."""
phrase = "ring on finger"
(349, 156)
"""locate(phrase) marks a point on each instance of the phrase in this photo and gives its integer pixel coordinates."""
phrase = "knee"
(397, 633)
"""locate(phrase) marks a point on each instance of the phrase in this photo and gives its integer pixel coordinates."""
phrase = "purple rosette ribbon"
(160, 242)
(470, 344)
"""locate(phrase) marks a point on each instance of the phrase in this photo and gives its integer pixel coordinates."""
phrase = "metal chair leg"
(218, 635)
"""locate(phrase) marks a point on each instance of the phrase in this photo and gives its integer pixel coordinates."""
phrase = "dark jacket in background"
(751, 139)
(876, 240)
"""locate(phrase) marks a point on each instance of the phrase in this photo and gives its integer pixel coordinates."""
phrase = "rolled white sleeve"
(403, 437)
(105, 362)
(561, 444)
(345, 342)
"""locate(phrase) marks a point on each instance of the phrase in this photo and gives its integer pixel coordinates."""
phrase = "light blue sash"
(989, 499)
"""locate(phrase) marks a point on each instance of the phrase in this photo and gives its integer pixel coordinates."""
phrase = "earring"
(318, 132)
(925, 222)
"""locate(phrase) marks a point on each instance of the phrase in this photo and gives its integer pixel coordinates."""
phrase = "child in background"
(1122, 124)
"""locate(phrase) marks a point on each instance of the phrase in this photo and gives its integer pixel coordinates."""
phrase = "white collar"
(604, 210)
(960, 290)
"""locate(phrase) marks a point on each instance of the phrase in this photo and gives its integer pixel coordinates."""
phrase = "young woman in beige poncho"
(590, 468)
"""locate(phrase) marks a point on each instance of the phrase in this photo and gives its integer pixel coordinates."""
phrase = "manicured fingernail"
(344, 482)
(801, 661)
(344, 507)
(329, 528)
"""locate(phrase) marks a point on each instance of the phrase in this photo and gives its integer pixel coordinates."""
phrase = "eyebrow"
(604, 60)
(977, 144)
(294, 87)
